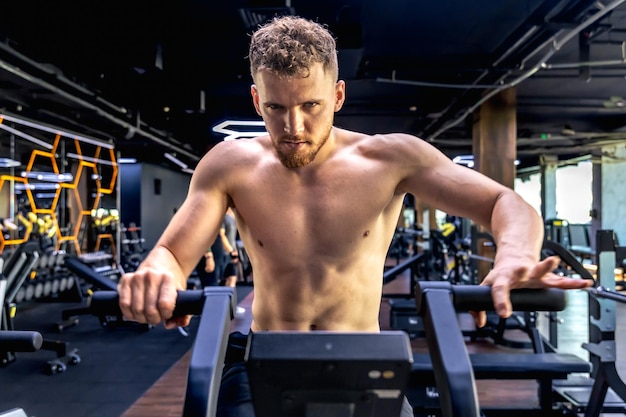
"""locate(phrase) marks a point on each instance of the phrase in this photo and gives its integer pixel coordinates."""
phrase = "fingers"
(501, 300)
(540, 275)
(566, 283)
(177, 322)
(147, 296)
(544, 267)
(166, 300)
(480, 318)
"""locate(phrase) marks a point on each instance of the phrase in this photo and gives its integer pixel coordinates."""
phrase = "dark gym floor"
(117, 364)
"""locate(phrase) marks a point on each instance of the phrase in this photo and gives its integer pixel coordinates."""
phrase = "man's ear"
(255, 98)
(340, 94)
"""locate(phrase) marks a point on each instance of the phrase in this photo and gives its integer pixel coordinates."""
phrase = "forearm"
(160, 258)
(227, 246)
(517, 228)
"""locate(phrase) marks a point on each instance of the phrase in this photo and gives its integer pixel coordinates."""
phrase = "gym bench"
(542, 367)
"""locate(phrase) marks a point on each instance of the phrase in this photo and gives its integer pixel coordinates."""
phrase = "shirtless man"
(317, 206)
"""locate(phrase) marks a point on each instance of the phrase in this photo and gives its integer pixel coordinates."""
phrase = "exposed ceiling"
(109, 69)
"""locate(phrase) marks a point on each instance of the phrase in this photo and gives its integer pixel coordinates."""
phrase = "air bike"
(312, 374)
(333, 374)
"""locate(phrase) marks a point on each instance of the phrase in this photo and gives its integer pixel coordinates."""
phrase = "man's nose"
(294, 123)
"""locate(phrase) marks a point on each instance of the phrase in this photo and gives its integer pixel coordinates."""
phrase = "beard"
(304, 155)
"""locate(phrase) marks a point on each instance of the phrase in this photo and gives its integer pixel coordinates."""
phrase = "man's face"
(298, 112)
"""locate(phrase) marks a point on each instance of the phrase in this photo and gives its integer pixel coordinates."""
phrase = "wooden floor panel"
(166, 397)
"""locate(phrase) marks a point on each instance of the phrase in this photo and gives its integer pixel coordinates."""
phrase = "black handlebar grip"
(106, 303)
(20, 341)
(478, 298)
(189, 302)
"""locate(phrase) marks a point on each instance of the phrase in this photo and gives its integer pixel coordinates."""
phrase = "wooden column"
(494, 147)
(495, 137)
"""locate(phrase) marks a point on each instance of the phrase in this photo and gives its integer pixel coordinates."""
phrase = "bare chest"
(327, 212)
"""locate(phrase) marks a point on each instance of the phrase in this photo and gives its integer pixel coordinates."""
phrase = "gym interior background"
(106, 107)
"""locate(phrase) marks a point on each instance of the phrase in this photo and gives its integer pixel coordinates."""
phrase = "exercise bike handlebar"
(438, 302)
(106, 303)
(478, 297)
(206, 363)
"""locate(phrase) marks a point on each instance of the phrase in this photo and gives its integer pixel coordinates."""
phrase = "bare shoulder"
(226, 160)
(233, 153)
(395, 146)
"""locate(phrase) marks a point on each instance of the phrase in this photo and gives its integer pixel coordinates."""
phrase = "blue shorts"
(235, 398)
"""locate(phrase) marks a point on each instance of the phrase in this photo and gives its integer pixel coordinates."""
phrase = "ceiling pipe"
(101, 112)
(50, 70)
(573, 65)
(604, 63)
(544, 66)
(529, 33)
(475, 84)
(556, 45)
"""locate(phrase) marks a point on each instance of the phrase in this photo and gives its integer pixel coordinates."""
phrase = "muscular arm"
(516, 227)
(148, 294)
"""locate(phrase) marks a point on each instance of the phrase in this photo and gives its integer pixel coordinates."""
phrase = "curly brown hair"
(288, 46)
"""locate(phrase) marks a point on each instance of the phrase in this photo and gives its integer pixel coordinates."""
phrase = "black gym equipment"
(132, 250)
(526, 321)
(16, 341)
(97, 282)
(604, 391)
(448, 366)
(453, 371)
(207, 358)
(328, 373)
(292, 374)
(280, 363)
(18, 269)
(402, 314)
(563, 388)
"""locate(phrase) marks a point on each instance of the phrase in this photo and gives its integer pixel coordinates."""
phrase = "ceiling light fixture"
(22, 135)
(56, 131)
(45, 196)
(89, 159)
(468, 160)
(8, 163)
(232, 134)
(37, 186)
(48, 176)
(175, 160)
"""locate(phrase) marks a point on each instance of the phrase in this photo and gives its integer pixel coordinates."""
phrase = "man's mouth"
(294, 144)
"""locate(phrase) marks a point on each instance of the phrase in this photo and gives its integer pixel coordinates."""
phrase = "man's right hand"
(149, 296)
